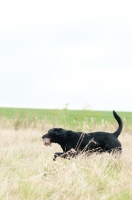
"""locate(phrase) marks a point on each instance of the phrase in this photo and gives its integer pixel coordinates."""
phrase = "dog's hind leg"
(116, 151)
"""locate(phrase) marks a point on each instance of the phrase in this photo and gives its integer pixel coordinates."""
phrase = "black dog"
(74, 142)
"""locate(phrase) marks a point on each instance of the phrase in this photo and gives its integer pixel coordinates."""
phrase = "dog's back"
(103, 140)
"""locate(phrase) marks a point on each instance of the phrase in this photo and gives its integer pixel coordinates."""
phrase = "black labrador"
(74, 142)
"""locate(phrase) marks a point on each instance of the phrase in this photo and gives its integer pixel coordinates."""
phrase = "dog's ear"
(56, 131)
(59, 131)
(64, 133)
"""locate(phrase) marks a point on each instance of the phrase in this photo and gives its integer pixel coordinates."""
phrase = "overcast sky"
(54, 52)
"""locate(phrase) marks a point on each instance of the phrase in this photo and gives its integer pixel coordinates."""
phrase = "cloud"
(55, 52)
(18, 14)
(103, 88)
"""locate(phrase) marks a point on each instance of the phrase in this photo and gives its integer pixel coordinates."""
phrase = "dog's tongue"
(47, 142)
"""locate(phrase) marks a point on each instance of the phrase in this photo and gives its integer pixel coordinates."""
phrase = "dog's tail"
(119, 129)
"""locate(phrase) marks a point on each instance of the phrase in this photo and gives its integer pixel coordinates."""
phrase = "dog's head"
(54, 135)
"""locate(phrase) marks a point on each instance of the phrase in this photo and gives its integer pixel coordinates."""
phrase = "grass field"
(28, 172)
(75, 119)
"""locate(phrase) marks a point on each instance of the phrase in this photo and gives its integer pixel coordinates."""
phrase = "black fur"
(72, 142)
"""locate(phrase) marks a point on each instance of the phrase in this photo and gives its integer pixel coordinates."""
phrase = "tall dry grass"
(27, 171)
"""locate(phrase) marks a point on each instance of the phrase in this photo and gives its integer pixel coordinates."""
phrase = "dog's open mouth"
(47, 142)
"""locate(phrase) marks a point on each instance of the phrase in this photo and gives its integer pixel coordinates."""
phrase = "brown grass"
(28, 172)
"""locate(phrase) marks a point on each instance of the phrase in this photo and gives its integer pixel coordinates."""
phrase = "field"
(74, 119)
(27, 169)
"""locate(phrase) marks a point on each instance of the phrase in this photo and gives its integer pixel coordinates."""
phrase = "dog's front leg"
(68, 154)
(56, 155)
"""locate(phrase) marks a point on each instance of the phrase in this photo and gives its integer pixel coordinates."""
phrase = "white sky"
(66, 51)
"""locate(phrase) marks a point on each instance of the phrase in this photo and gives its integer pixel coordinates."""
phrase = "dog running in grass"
(72, 143)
